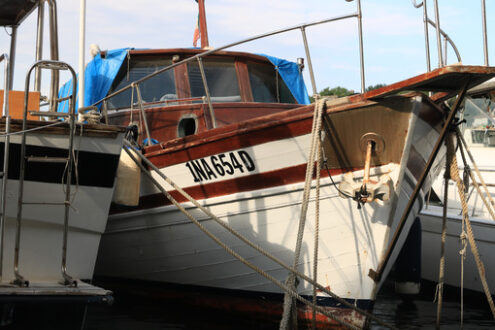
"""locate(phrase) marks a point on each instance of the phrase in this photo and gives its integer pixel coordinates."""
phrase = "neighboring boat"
(236, 137)
(57, 184)
(479, 133)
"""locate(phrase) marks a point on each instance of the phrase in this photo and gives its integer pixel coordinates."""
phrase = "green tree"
(337, 91)
(372, 87)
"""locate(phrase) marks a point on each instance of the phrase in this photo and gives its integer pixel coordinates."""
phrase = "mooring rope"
(291, 280)
(441, 272)
(317, 227)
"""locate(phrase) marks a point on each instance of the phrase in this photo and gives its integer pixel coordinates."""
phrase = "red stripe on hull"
(265, 180)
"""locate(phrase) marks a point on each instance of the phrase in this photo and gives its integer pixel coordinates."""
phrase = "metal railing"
(442, 59)
(69, 161)
(53, 26)
(301, 27)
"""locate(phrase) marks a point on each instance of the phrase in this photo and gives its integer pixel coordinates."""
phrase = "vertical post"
(202, 24)
(13, 41)
(427, 36)
(308, 57)
(53, 52)
(143, 114)
(361, 52)
(207, 91)
(5, 159)
(439, 38)
(39, 44)
(82, 35)
(485, 38)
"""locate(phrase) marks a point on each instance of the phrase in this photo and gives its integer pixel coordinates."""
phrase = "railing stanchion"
(207, 92)
(308, 57)
(485, 37)
(439, 38)
(361, 51)
(5, 173)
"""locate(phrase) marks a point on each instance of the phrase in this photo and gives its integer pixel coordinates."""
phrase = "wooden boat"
(244, 156)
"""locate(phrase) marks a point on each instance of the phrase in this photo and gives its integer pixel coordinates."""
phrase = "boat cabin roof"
(224, 77)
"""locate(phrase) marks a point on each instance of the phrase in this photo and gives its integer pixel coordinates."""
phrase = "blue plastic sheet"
(98, 78)
(101, 72)
(289, 71)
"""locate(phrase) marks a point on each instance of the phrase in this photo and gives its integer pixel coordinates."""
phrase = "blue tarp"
(289, 71)
(101, 72)
(98, 78)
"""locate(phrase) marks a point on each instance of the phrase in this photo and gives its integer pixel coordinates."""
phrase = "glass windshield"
(221, 78)
(267, 85)
(159, 88)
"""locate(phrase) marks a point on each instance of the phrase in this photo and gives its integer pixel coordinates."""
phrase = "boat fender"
(128, 181)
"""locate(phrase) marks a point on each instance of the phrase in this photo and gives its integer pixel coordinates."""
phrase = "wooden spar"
(202, 24)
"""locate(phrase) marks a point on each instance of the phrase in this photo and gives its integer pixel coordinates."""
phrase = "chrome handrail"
(447, 38)
(485, 37)
(51, 65)
(301, 27)
(54, 49)
(440, 32)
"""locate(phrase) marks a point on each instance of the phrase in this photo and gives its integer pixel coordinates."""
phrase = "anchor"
(368, 190)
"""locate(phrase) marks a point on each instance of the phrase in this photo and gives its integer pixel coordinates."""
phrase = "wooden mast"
(202, 24)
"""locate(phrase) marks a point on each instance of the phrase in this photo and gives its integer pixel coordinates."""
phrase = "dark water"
(134, 310)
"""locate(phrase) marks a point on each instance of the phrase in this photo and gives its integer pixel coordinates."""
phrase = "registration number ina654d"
(215, 166)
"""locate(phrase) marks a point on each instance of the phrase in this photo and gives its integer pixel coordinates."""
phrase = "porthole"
(187, 126)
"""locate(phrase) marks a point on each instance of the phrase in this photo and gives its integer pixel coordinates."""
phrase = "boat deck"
(54, 292)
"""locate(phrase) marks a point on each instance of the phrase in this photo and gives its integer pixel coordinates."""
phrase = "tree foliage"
(337, 91)
(372, 87)
(342, 91)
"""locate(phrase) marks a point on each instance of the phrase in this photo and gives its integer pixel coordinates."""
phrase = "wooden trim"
(191, 52)
(92, 130)
(182, 82)
(243, 81)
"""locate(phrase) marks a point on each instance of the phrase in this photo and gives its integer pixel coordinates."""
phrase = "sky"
(393, 34)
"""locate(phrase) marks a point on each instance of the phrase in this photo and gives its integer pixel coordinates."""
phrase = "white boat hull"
(42, 221)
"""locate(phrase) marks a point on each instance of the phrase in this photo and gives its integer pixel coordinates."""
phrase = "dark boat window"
(158, 88)
(267, 85)
(221, 78)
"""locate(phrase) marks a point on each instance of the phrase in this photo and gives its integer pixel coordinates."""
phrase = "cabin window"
(158, 88)
(187, 126)
(267, 85)
(221, 78)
